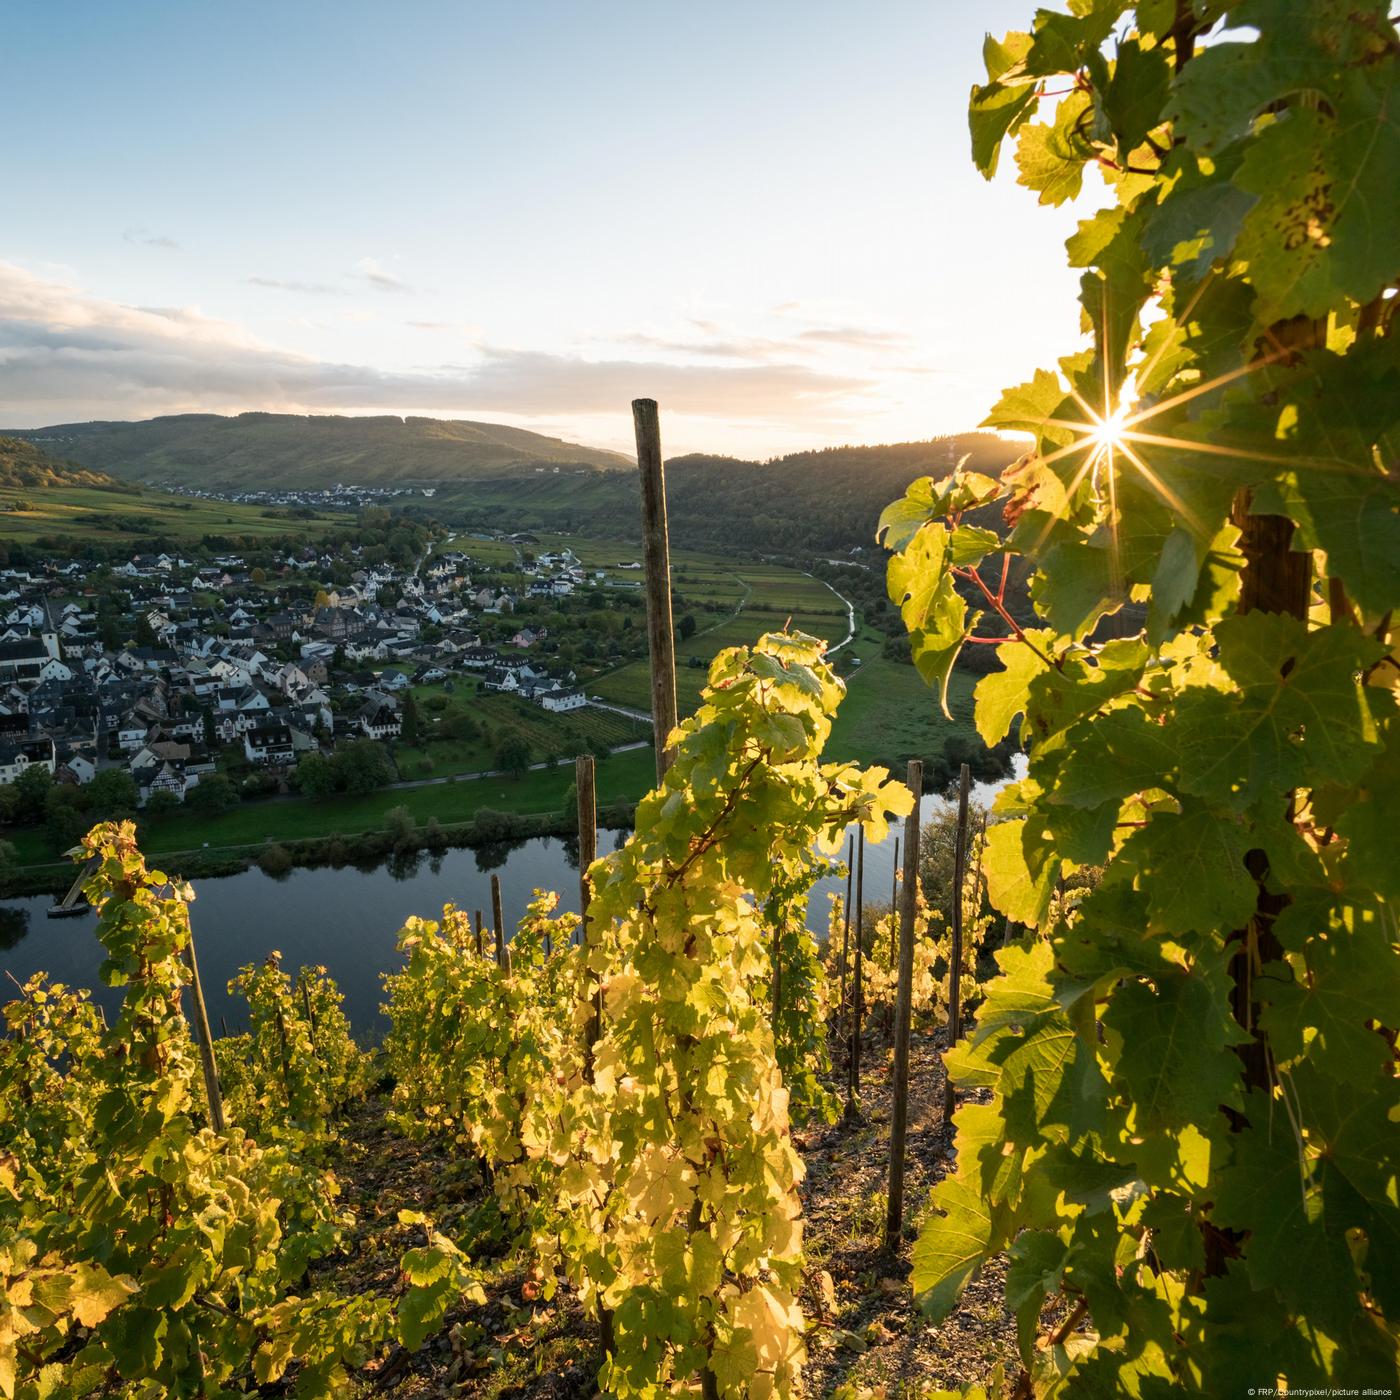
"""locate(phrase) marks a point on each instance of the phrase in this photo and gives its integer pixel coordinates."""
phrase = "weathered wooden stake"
(656, 554)
(223, 1026)
(480, 943)
(206, 1041)
(306, 1007)
(857, 990)
(903, 1013)
(498, 921)
(894, 904)
(585, 782)
(955, 971)
(845, 934)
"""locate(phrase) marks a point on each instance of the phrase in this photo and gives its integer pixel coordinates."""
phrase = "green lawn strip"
(625, 775)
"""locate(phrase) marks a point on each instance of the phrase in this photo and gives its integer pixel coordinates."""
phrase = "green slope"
(43, 498)
(259, 450)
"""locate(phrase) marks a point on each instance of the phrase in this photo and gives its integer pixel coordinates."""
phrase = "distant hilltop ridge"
(256, 450)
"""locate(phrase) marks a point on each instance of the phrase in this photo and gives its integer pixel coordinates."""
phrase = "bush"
(274, 859)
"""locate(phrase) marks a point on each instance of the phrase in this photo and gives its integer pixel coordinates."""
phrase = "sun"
(1107, 433)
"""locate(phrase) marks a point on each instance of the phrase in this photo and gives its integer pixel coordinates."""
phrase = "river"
(345, 919)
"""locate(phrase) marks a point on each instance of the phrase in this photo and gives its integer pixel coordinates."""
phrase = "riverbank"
(340, 829)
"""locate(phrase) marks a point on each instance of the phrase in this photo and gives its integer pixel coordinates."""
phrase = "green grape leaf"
(1137, 93)
(959, 1236)
(921, 585)
(995, 112)
(1350, 984)
(1050, 158)
(1017, 887)
(1172, 1063)
(1192, 866)
(95, 1293)
(1002, 695)
(1300, 710)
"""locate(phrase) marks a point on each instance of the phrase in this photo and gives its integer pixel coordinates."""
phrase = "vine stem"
(972, 576)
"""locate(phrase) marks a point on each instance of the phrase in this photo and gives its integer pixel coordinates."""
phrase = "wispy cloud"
(319, 289)
(369, 270)
(66, 354)
(712, 342)
(855, 338)
(147, 239)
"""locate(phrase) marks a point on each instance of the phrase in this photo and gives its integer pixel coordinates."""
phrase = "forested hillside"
(809, 503)
(24, 465)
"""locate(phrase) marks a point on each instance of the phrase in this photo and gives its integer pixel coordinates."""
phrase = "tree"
(112, 795)
(408, 731)
(161, 804)
(513, 755)
(686, 627)
(211, 733)
(32, 789)
(63, 827)
(1198, 1052)
(400, 825)
(314, 776)
(361, 768)
(213, 794)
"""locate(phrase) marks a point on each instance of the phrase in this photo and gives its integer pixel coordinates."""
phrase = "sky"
(764, 216)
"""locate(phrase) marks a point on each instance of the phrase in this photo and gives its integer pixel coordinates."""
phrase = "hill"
(22, 464)
(806, 504)
(257, 450)
(53, 504)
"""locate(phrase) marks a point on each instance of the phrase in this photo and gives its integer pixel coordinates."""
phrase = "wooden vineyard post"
(657, 557)
(480, 943)
(955, 970)
(205, 1039)
(857, 992)
(894, 903)
(845, 934)
(223, 1027)
(498, 921)
(903, 1013)
(585, 781)
(310, 1014)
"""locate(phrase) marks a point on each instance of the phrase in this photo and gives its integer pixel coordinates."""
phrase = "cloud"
(148, 239)
(67, 355)
(713, 344)
(855, 338)
(369, 270)
(320, 289)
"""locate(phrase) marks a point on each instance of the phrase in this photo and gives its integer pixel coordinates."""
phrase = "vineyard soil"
(529, 1349)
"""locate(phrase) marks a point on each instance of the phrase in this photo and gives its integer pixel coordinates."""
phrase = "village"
(203, 679)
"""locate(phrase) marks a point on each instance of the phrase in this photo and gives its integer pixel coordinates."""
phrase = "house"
(17, 758)
(77, 768)
(379, 719)
(269, 743)
(561, 701)
(131, 735)
(24, 660)
(161, 775)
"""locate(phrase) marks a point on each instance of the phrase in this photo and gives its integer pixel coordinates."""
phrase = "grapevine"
(1191, 1136)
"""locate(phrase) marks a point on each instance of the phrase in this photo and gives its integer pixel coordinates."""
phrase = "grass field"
(890, 716)
(113, 516)
(496, 718)
(625, 775)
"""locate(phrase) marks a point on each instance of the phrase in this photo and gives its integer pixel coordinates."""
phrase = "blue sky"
(762, 215)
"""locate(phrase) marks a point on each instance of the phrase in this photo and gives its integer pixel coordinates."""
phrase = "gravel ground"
(866, 1331)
